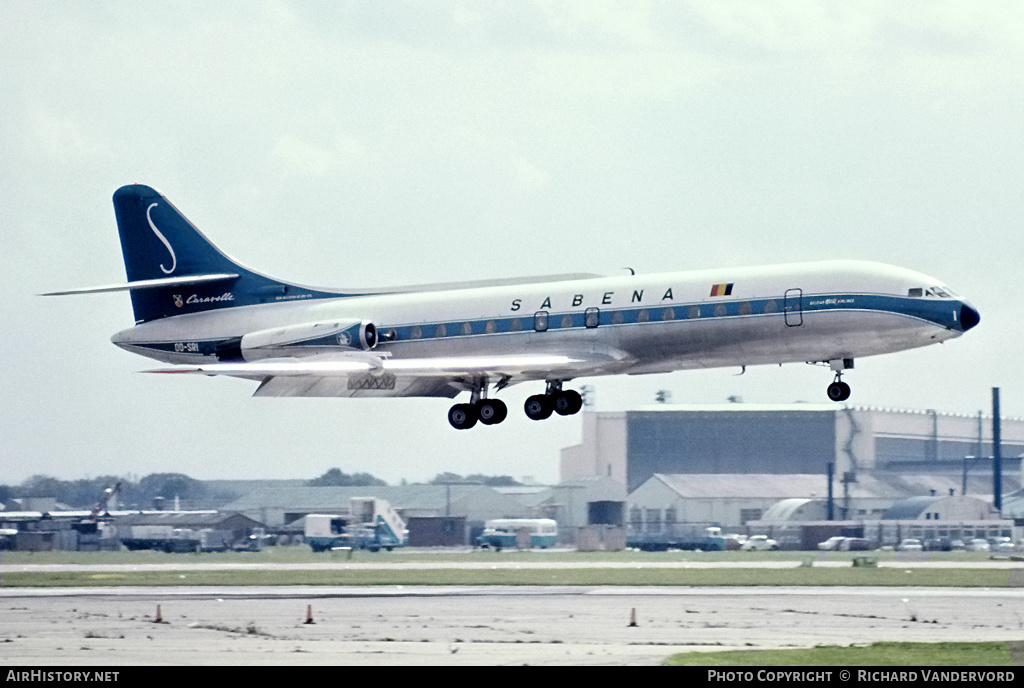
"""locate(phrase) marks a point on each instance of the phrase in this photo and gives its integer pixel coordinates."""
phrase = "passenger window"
(592, 318)
(694, 312)
(516, 325)
(771, 306)
(618, 318)
(466, 329)
(668, 314)
(441, 331)
(566, 321)
(643, 316)
(415, 332)
(720, 310)
(491, 327)
(745, 308)
(540, 321)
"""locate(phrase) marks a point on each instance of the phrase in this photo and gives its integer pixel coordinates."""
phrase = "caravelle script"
(226, 296)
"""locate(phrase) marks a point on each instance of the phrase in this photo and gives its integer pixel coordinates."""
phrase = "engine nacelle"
(306, 339)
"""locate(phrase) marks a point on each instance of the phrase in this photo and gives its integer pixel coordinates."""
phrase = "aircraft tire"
(567, 402)
(839, 391)
(491, 411)
(538, 407)
(462, 416)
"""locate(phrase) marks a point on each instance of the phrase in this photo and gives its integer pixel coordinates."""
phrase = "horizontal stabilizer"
(147, 284)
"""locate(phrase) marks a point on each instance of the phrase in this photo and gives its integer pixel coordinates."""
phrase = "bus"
(503, 532)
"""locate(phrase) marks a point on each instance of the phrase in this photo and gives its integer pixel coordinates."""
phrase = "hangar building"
(723, 439)
(729, 464)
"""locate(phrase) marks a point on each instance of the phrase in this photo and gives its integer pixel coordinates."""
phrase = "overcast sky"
(363, 144)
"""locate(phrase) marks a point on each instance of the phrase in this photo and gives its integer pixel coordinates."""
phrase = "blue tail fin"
(193, 275)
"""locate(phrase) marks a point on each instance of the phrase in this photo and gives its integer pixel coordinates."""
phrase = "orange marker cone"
(159, 617)
(632, 618)
(309, 614)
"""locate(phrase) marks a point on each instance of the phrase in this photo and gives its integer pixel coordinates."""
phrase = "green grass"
(877, 654)
(796, 576)
(303, 554)
(341, 575)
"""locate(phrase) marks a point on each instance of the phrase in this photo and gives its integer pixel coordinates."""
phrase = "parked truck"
(708, 539)
(370, 524)
(170, 539)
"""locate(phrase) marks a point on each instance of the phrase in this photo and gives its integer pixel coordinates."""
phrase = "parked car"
(832, 544)
(855, 544)
(978, 545)
(910, 545)
(1001, 544)
(734, 540)
(759, 542)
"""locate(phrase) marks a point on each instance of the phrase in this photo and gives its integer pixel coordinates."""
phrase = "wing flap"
(358, 375)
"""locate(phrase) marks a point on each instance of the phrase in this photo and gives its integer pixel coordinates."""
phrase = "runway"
(476, 625)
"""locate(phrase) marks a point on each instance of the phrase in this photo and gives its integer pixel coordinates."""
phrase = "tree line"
(143, 493)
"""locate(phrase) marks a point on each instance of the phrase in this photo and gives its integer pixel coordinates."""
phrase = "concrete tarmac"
(483, 626)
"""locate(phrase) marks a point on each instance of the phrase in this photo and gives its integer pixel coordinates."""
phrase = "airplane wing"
(364, 374)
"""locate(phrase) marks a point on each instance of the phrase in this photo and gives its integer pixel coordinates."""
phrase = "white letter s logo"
(162, 238)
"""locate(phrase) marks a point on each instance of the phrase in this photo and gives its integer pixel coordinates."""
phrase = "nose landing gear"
(839, 390)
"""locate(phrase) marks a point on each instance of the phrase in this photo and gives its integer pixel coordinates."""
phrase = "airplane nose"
(968, 317)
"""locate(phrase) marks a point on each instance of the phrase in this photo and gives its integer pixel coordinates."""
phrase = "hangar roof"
(771, 485)
(184, 519)
(803, 485)
(784, 510)
(1013, 504)
(410, 498)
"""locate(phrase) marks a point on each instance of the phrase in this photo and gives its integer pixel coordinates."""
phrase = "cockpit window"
(934, 292)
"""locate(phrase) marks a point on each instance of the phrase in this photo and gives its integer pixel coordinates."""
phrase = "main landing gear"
(564, 402)
(487, 411)
(839, 390)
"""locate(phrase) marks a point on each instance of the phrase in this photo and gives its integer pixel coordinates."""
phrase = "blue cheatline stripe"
(935, 312)
(940, 313)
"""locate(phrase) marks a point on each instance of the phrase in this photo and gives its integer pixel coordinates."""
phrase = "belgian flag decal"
(722, 289)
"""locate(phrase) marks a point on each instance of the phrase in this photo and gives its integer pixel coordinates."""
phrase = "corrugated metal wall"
(732, 442)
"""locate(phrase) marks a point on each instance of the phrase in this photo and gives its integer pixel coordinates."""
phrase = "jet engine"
(306, 339)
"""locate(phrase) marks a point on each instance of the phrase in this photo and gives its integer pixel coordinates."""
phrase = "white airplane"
(197, 307)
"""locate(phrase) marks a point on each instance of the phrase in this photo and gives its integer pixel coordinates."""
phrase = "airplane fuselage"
(647, 323)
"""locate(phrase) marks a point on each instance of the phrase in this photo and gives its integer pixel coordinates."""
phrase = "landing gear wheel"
(567, 402)
(491, 411)
(839, 391)
(538, 407)
(462, 416)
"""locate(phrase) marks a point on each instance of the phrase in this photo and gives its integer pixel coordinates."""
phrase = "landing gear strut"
(564, 402)
(479, 408)
(839, 390)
